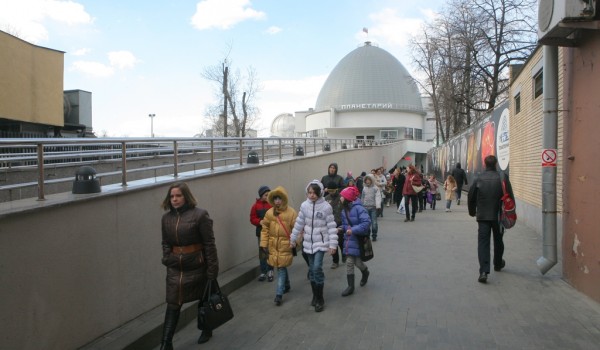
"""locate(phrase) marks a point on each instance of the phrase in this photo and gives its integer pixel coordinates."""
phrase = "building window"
(517, 103)
(408, 133)
(388, 134)
(418, 134)
(538, 84)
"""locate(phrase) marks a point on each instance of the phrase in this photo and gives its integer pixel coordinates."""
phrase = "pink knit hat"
(350, 193)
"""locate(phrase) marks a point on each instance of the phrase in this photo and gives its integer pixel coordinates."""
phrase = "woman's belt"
(186, 249)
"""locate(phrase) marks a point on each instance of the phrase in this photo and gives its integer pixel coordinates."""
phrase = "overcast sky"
(141, 57)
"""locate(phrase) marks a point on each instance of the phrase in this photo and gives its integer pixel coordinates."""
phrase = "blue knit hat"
(262, 190)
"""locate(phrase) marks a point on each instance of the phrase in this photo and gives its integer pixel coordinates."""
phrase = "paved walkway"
(422, 294)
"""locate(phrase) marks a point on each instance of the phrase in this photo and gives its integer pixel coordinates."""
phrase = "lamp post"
(152, 124)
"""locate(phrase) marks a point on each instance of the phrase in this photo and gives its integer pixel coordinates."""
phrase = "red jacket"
(257, 213)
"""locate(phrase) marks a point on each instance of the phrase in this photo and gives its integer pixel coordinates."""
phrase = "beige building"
(32, 85)
(578, 142)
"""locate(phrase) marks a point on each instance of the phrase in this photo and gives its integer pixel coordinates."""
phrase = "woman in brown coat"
(189, 253)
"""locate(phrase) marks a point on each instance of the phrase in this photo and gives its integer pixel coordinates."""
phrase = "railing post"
(175, 159)
(212, 154)
(40, 160)
(241, 151)
(262, 142)
(123, 163)
(280, 156)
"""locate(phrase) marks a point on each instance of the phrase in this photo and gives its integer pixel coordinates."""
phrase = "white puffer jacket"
(317, 223)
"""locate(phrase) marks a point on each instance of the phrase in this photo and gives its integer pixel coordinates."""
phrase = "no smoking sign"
(549, 157)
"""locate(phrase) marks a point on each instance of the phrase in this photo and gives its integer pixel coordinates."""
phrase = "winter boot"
(320, 303)
(365, 277)
(350, 288)
(204, 337)
(313, 285)
(171, 319)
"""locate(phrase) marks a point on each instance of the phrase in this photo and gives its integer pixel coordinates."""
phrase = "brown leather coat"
(188, 273)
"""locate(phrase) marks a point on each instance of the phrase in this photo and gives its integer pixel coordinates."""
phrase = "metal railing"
(129, 156)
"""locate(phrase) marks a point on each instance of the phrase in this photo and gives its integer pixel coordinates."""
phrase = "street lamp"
(152, 124)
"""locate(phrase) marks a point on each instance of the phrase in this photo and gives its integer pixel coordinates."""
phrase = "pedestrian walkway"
(422, 294)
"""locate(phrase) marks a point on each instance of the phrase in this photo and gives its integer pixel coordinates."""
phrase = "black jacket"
(460, 176)
(330, 181)
(484, 195)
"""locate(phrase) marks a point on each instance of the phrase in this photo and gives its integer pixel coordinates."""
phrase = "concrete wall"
(75, 267)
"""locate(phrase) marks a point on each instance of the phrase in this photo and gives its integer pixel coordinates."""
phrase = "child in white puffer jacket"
(317, 224)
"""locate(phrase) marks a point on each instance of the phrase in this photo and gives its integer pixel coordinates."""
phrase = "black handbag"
(366, 248)
(214, 308)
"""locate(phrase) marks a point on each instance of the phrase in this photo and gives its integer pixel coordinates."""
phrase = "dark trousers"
(414, 202)
(422, 201)
(458, 191)
(483, 246)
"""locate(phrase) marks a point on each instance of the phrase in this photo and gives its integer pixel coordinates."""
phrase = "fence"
(122, 159)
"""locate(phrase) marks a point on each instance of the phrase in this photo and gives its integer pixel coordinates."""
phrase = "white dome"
(283, 125)
(373, 77)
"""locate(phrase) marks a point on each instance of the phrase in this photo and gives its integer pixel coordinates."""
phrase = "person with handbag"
(317, 223)
(355, 227)
(275, 238)
(413, 180)
(450, 190)
(484, 202)
(257, 213)
(398, 181)
(189, 253)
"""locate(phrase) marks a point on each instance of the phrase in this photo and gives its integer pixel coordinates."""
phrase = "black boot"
(313, 285)
(320, 303)
(350, 288)
(365, 277)
(204, 337)
(169, 326)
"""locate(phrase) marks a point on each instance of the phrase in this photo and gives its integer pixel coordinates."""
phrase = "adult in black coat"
(484, 203)
(399, 180)
(332, 179)
(461, 178)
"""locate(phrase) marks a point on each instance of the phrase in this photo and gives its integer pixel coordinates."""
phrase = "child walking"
(316, 221)
(257, 213)
(355, 226)
(275, 238)
(433, 189)
(450, 189)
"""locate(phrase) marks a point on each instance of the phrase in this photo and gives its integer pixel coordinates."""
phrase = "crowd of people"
(335, 218)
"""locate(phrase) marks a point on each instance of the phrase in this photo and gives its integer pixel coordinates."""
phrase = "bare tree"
(465, 54)
(237, 96)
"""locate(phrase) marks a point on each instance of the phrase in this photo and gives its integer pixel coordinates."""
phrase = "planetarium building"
(369, 95)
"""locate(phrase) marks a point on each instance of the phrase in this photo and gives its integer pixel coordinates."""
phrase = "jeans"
(448, 203)
(262, 259)
(283, 280)
(373, 214)
(412, 198)
(483, 244)
(315, 273)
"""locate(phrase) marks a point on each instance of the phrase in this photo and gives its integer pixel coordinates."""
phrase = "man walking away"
(461, 178)
(484, 203)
